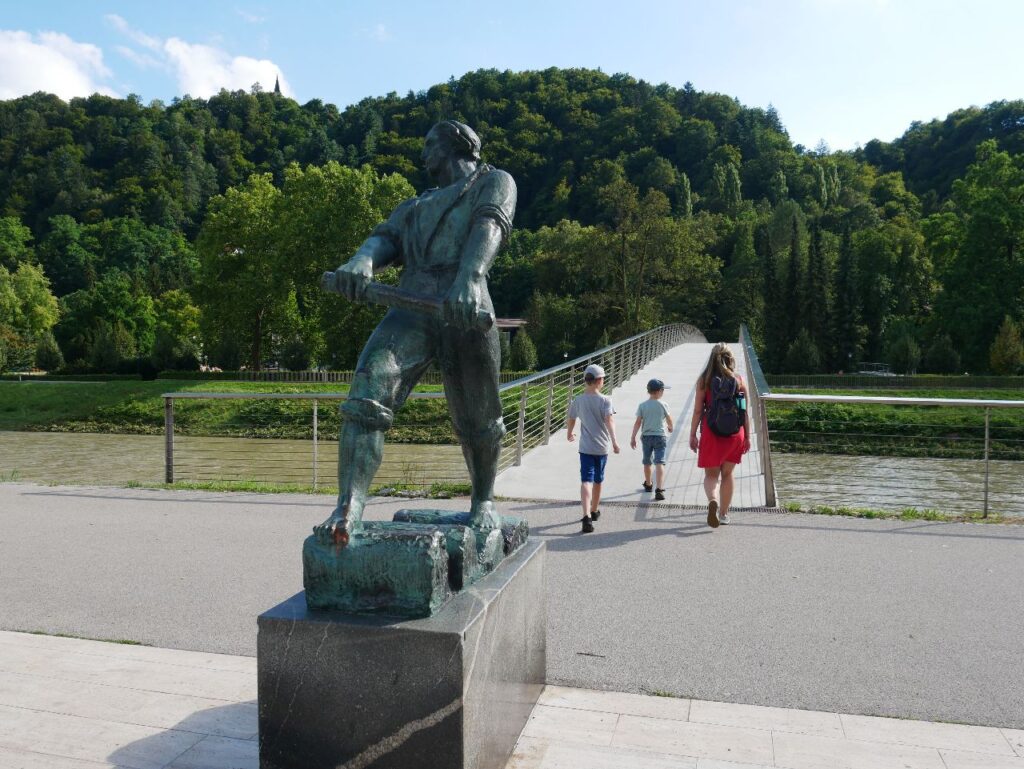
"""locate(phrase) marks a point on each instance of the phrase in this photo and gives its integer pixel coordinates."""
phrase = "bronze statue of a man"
(445, 240)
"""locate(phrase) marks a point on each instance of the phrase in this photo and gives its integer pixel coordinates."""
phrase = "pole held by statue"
(392, 296)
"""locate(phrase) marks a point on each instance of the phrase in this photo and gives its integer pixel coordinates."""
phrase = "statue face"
(435, 152)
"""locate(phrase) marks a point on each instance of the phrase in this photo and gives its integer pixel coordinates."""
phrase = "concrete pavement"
(76, 704)
(912, 619)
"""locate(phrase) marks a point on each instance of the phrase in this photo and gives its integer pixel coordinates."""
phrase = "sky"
(839, 71)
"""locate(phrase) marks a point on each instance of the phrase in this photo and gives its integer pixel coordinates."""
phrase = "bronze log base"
(408, 567)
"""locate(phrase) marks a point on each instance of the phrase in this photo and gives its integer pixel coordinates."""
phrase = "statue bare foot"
(337, 529)
(483, 515)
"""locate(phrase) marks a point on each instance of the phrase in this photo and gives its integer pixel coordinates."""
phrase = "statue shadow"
(223, 737)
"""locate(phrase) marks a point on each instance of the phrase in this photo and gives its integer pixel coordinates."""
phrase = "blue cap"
(654, 385)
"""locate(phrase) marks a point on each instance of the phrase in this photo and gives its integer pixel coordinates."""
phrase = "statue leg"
(392, 362)
(470, 362)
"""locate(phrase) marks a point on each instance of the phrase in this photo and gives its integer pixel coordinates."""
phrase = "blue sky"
(845, 71)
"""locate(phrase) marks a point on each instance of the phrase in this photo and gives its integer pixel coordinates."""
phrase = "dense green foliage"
(197, 230)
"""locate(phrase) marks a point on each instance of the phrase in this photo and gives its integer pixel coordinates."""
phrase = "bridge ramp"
(551, 472)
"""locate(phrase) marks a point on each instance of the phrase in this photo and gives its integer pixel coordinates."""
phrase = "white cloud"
(201, 70)
(143, 60)
(133, 34)
(381, 33)
(50, 61)
(250, 17)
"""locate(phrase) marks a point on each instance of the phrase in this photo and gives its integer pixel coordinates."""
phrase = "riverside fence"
(958, 455)
(292, 438)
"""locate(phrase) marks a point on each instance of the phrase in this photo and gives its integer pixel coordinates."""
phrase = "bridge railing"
(291, 438)
(758, 386)
(536, 406)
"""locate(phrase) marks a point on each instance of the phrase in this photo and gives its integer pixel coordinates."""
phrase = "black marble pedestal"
(452, 691)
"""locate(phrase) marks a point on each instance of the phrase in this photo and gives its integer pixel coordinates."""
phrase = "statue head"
(447, 140)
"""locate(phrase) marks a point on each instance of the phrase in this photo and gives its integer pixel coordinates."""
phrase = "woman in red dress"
(718, 455)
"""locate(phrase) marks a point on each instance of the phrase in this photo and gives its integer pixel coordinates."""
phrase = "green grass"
(906, 514)
(135, 407)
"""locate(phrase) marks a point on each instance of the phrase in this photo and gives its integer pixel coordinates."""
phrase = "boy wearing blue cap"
(652, 415)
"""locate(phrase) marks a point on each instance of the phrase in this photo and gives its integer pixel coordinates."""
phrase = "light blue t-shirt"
(653, 413)
(591, 409)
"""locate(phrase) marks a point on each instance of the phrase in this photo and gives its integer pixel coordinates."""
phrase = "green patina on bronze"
(441, 314)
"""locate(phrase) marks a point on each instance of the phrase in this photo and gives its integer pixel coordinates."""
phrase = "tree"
(904, 354)
(941, 356)
(239, 288)
(803, 356)
(524, 354)
(176, 342)
(15, 238)
(1006, 355)
(506, 350)
(48, 356)
(794, 307)
(816, 293)
(849, 331)
(983, 282)
(743, 286)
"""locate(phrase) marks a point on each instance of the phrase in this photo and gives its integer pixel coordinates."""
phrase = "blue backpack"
(726, 413)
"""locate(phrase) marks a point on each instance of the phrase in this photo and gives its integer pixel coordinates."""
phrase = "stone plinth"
(450, 691)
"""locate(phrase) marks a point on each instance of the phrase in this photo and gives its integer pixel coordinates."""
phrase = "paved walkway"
(551, 472)
(75, 704)
(914, 619)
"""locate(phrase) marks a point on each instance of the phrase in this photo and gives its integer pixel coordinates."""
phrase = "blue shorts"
(654, 449)
(592, 467)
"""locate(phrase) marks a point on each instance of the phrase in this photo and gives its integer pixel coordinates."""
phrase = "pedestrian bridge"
(550, 471)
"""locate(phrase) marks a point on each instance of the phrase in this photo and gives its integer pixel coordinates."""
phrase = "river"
(889, 483)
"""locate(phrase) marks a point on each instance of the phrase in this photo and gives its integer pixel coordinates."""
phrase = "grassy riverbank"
(137, 408)
(915, 431)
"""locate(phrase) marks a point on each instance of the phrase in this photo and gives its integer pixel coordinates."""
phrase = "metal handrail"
(672, 327)
(986, 404)
(892, 401)
(529, 420)
(758, 391)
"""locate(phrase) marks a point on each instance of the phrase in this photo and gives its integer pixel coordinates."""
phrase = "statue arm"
(381, 249)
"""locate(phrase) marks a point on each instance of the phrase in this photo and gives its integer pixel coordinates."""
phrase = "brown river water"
(890, 483)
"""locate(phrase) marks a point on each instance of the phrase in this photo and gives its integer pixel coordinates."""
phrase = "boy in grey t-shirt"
(597, 434)
(653, 416)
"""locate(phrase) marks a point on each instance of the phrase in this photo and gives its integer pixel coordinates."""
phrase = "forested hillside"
(158, 235)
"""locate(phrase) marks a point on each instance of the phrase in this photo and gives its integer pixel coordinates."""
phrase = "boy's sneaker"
(588, 525)
(659, 494)
(648, 487)
(713, 514)
(595, 514)
(724, 518)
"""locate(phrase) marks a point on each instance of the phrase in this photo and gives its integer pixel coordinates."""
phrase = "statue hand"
(463, 302)
(352, 278)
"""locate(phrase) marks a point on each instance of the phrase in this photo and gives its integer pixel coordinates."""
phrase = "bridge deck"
(550, 472)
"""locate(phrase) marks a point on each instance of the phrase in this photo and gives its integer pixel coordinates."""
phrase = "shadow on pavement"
(222, 737)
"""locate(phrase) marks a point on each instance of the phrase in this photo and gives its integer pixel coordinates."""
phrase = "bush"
(294, 355)
(941, 357)
(48, 355)
(904, 355)
(1006, 355)
(524, 354)
(803, 357)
